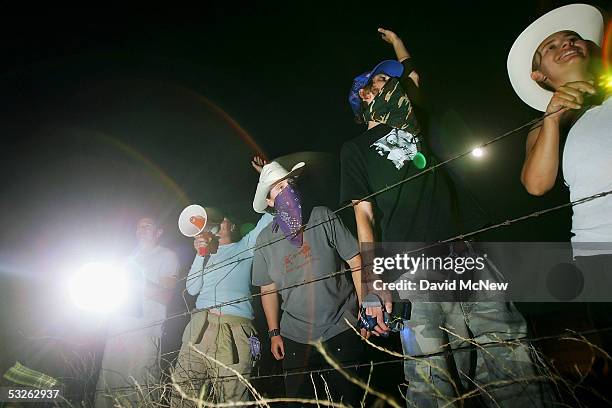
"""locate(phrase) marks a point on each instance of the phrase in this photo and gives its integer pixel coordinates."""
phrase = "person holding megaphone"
(220, 273)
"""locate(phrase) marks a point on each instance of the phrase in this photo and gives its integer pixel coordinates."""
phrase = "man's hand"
(401, 53)
(202, 240)
(388, 35)
(277, 347)
(569, 96)
(374, 308)
(377, 312)
(258, 163)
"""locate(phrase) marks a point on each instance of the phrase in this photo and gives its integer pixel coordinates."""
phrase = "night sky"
(106, 115)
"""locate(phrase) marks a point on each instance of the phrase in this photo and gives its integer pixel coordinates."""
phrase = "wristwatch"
(273, 332)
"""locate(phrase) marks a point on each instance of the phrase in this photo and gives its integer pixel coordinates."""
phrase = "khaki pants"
(224, 338)
(130, 370)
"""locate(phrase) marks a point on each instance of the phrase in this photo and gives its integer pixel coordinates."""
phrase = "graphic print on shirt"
(399, 146)
(299, 259)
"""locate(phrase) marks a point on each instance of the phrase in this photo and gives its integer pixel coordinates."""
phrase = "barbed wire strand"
(446, 352)
(454, 238)
(305, 227)
(378, 192)
(381, 191)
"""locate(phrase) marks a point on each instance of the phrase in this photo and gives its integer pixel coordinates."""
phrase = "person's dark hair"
(235, 220)
(236, 234)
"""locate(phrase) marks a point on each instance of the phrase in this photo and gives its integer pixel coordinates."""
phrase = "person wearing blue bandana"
(303, 244)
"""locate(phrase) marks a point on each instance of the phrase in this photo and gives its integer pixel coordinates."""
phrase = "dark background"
(109, 114)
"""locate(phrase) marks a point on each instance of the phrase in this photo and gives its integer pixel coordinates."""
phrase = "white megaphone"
(195, 219)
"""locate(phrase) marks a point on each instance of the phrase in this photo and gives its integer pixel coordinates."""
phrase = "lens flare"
(606, 81)
(606, 47)
(477, 152)
(97, 287)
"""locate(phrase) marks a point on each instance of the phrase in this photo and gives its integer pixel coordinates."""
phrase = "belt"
(228, 319)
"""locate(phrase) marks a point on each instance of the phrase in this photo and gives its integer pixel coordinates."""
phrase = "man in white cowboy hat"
(552, 67)
(225, 333)
(287, 255)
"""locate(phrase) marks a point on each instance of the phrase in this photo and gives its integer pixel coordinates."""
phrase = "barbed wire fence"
(236, 258)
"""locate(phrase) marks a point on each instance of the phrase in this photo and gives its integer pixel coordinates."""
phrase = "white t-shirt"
(150, 264)
(587, 169)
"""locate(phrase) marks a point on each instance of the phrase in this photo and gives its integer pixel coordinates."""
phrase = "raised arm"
(401, 53)
(541, 164)
(398, 45)
(258, 162)
(195, 276)
(541, 158)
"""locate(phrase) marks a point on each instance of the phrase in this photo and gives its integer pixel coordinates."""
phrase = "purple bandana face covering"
(289, 214)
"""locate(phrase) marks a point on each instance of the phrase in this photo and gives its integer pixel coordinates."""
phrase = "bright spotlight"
(97, 287)
(477, 152)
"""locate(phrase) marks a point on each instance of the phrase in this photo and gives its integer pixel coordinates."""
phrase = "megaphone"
(195, 219)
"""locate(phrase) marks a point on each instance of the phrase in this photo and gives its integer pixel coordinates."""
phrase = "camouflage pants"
(452, 368)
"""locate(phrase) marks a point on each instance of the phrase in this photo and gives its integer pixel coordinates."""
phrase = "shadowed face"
(378, 82)
(227, 230)
(373, 88)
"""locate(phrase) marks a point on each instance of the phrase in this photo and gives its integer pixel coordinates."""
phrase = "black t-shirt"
(432, 207)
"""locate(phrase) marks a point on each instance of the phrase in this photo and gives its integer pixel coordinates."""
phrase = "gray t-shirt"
(315, 310)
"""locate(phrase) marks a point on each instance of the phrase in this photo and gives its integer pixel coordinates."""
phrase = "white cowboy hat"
(271, 174)
(583, 19)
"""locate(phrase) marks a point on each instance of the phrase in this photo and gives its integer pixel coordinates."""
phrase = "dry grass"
(150, 395)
